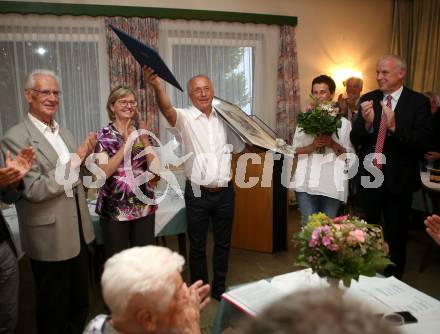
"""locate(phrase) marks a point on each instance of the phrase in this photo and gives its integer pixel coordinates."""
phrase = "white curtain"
(73, 47)
(241, 59)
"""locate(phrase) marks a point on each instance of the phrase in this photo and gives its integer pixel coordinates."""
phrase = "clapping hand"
(342, 102)
(8, 175)
(87, 147)
(126, 131)
(202, 292)
(154, 165)
(367, 112)
(147, 126)
(433, 227)
(23, 161)
(391, 117)
(16, 168)
(195, 298)
(432, 156)
(352, 105)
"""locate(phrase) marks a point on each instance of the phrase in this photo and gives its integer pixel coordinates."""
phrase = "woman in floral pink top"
(126, 218)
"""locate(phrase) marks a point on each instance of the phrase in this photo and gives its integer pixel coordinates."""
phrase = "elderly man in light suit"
(54, 228)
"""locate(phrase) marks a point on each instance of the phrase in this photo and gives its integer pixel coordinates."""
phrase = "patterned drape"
(288, 96)
(124, 69)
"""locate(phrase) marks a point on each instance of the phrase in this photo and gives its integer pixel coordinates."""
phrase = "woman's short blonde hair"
(117, 93)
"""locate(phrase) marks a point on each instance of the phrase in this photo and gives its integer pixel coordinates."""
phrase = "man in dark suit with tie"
(390, 133)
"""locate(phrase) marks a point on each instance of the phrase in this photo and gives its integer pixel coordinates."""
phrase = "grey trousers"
(9, 281)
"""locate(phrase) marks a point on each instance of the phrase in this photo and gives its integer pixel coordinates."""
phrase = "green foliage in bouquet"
(320, 119)
(341, 248)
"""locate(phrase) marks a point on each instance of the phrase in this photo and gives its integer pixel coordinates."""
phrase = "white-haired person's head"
(144, 290)
(29, 81)
(316, 311)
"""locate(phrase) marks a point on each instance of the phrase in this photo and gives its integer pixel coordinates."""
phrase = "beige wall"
(330, 34)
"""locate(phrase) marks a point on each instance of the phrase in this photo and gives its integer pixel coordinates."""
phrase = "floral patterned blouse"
(116, 198)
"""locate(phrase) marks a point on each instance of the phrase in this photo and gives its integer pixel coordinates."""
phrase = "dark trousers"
(120, 235)
(9, 279)
(395, 209)
(217, 207)
(62, 291)
(62, 294)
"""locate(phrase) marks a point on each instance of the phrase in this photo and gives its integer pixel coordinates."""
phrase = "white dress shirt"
(324, 175)
(206, 140)
(53, 137)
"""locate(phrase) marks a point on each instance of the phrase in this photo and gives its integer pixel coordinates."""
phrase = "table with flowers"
(372, 292)
(346, 253)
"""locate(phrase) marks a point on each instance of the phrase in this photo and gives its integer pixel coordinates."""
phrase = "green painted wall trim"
(159, 13)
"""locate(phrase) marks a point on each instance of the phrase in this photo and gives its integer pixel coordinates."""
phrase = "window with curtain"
(74, 48)
(229, 67)
(241, 60)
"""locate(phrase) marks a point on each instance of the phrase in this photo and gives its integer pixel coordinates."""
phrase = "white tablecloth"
(166, 210)
(379, 294)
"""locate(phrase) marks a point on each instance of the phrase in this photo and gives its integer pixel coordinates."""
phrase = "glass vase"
(336, 283)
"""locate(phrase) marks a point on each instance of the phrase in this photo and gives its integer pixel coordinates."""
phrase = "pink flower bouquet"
(341, 248)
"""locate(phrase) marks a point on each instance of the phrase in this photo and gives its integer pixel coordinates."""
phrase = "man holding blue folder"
(209, 194)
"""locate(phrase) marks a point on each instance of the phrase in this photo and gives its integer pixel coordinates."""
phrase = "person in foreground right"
(144, 290)
(433, 227)
(316, 312)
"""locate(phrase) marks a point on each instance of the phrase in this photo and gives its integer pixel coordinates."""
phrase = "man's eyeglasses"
(124, 103)
(47, 93)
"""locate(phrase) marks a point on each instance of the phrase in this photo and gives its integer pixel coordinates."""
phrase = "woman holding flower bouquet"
(321, 137)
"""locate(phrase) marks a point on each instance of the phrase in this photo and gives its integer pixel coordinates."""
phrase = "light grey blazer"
(47, 218)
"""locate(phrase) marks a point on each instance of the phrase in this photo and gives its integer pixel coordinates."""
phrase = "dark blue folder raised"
(147, 56)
